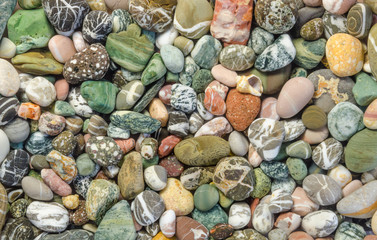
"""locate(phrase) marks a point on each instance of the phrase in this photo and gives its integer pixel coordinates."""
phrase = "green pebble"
(206, 197)
(365, 89)
(299, 149)
(309, 53)
(224, 201)
(262, 184)
(101, 95)
(154, 70)
(63, 108)
(276, 170)
(297, 168)
(210, 218)
(150, 162)
(172, 77)
(299, 72)
(350, 231)
(85, 165)
(201, 79)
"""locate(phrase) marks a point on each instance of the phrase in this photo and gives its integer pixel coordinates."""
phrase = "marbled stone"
(193, 177)
(129, 95)
(149, 95)
(266, 136)
(39, 143)
(66, 16)
(103, 150)
(237, 57)
(178, 124)
(313, 186)
(147, 207)
(320, 223)
(100, 95)
(188, 228)
(135, 121)
(20, 228)
(9, 79)
(96, 26)
(64, 166)
(309, 53)
(349, 231)
(333, 23)
(78, 103)
(14, 167)
(277, 55)
(41, 91)
(7, 10)
(234, 177)
(260, 39)
(263, 218)
(121, 20)
(183, 98)
(359, 20)
(206, 51)
(328, 153)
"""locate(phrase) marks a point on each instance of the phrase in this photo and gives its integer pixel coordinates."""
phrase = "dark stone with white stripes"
(147, 207)
(20, 229)
(14, 168)
(178, 124)
(8, 109)
(66, 15)
(96, 26)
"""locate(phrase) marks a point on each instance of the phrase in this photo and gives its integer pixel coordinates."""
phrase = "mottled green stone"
(85, 165)
(361, 151)
(237, 57)
(63, 108)
(100, 95)
(29, 29)
(350, 231)
(365, 89)
(18, 208)
(135, 121)
(276, 170)
(154, 70)
(150, 162)
(7, 8)
(101, 196)
(206, 197)
(260, 39)
(206, 51)
(312, 30)
(287, 184)
(297, 168)
(201, 79)
(74, 234)
(309, 53)
(172, 77)
(299, 72)
(117, 223)
(186, 76)
(121, 20)
(262, 184)
(210, 218)
(130, 49)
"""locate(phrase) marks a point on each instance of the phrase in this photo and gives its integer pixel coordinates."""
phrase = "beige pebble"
(351, 187)
(341, 175)
(224, 75)
(7, 48)
(158, 111)
(315, 136)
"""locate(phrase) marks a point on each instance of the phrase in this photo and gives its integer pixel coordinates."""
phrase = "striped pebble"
(3, 205)
(97, 126)
(147, 207)
(328, 153)
(8, 109)
(322, 189)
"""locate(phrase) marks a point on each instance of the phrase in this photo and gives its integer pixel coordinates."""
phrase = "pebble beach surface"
(188, 119)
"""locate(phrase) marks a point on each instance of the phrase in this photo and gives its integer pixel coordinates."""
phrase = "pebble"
(288, 222)
(7, 48)
(338, 7)
(263, 218)
(55, 183)
(239, 144)
(340, 174)
(302, 205)
(147, 207)
(239, 215)
(193, 177)
(62, 48)
(320, 223)
(130, 177)
(96, 25)
(167, 223)
(206, 197)
(49, 217)
(155, 177)
(328, 153)
(206, 51)
(359, 20)
(309, 53)
(14, 167)
(347, 230)
(173, 58)
(312, 185)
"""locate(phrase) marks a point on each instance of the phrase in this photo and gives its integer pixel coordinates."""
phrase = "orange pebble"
(344, 54)
(29, 110)
(62, 89)
(370, 237)
(126, 145)
(86, 137)
(300, 235)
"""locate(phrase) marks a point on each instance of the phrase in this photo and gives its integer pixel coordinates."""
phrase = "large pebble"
(324, 196)
(36, 189)
(320, 223)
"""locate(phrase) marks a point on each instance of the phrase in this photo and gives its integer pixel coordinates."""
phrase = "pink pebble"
(315, 136)
(293, 97)
(165, 94)
(338, 7)
(167, 145)
(254, 159)
(300, 235)
(86, 137)
(268, 109)
(55, 183)
(351, 187)
(62, 89)
(62, 48)
(224, 75)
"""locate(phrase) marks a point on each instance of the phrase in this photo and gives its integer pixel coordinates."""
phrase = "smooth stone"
(266, 136)
(29, 29)
(85, 166)
(177, 198)
(55, 183)
(327, 154)
(288, 222)
(344, 120)
(365, 89)
(14, 167)
(297, 168)
(331, 89)
(263, 218)
(79, 42)
(276, 56)
(38, 62)
(351, 187)
(78, 103)
(302, 205)
(194, 177)
(235, 187)
(74, 234)
(344, 63)
(205, 197)
(295, 94)
(183, 98)
(340, 174)
(239, 215)
(237, 57)
(314, 118)
(239, 145)
(184, 44)
(167, 37)
(309, 53)
(201, 79)
(129, 94)
(248, 234)
(338, 7)
(279, 201)
(268, 109)
(76, 10)
(41, 91)
(299, 149)
(206, 51)
(320, 223)
(173, 58)
(17, 131)
(212, 148)
(49, 217)
(167, 223)
(224, 75)
(39, 143)
(262, 184)
(63, 165)
(277, 234)
(366, 196)
(117, 223)
(100, 95)
(96, 26)
(62, 48)
(306, 14)
(372, 52)
(154, 70)
(178, 124)
(369, 116)
(121, 20)
(63, 108)
(359, 20)
(135, 121)
(7, 48)
(287, 184)
(219, 126)
(350, 231)
(101, 196)
(211, 218)
(313, 29)
(8, 108)
(333, 23)
(313, 186)
(7, 10)
(195, 122)
(21, 228)
(155, 177)
(36, 189)
(189, 26)
(147, 207)
(9, 80)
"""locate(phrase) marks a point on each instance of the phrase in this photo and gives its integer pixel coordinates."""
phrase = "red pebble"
(101, 175)
(173, 167)
(213, 102)
(165, 94)
(167, 145)
(126, 144)
(55, 183)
